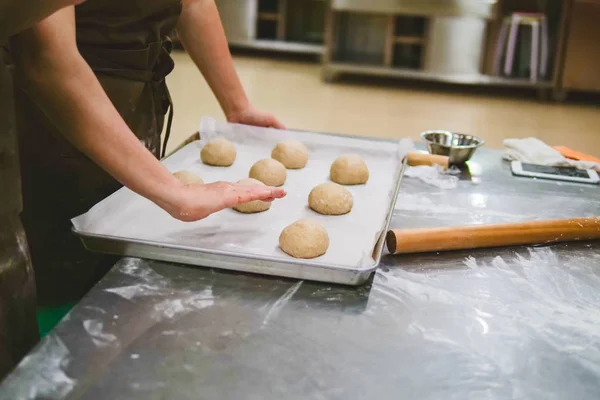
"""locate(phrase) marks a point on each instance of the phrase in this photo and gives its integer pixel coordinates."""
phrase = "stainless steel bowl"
(458, 147)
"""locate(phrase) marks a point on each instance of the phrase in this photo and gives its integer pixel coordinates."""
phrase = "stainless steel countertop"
(521, 322)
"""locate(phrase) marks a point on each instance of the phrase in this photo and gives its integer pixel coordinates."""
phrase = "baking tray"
(243, 260)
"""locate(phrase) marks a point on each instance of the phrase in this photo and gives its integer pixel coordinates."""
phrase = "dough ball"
(291, 153)
(219, 152)
(268, 171)
(188, 178)
(330, 199)
(349, 169)
(255, 206)
(304, 239)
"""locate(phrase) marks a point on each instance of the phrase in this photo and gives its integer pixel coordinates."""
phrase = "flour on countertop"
(280, 303)
(43, 372)
(433, 175)
(95, 328)
(187, 302)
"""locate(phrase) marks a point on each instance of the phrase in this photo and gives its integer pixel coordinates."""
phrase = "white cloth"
(534, 151)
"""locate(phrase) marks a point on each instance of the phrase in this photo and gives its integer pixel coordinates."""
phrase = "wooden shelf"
(269, 16)
(464, 79)
(464, 8)
(279, 46)
(414, 33)
(416, 40)
(412, 45)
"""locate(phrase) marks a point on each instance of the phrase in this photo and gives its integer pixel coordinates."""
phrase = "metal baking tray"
(245, 262)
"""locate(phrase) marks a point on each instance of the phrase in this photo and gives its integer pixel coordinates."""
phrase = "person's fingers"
(269, 200)
(270, 121)
(213, 197)
(240, 196)
(244, 194)
(276, 192)
(276, 124)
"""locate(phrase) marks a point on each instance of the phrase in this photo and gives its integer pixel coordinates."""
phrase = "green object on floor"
(49, 317)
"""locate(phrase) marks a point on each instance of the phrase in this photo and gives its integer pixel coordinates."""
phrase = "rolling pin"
(402, 241)
(415, 159)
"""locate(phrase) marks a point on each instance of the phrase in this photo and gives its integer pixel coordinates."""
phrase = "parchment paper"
(353, 236)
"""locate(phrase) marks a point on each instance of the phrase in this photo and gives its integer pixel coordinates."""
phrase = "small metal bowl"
(458, 147)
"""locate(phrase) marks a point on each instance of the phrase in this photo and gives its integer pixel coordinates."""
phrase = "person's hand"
(252, 116)
(194, 202)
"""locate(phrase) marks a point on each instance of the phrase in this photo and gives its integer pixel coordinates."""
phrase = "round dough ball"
(304, 239)
(268, 171)
(330, 199)
(291, 153)
(219, 152)
(349, 169)
(255, 206)
(188, 178)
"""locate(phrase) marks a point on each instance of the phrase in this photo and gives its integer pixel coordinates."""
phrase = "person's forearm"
(61, 83)
(201, 33)
(70, 95)
(92, 124)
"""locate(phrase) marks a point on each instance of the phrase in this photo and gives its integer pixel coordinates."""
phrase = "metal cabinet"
(239, 19)
(455, 45)
(417, 39)
(278, 25)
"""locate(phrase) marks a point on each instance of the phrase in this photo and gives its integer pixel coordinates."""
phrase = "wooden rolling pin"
(402, 241)
(415, 159)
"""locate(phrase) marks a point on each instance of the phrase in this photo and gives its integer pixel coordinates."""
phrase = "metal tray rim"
(230, 262)
(363, 272)
(212, 252)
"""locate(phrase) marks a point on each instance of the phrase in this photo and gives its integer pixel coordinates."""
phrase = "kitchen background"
(394, 68)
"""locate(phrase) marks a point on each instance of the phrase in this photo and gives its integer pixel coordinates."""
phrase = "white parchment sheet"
(126, 215)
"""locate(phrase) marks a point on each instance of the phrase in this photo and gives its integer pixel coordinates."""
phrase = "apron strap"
(169, 123)
(165, 66)
(133, 65)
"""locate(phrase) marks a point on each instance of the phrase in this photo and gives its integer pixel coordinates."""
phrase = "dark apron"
(18, 326)
(126, 44)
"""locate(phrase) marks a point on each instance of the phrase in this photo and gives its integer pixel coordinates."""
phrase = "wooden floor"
(294, 92)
